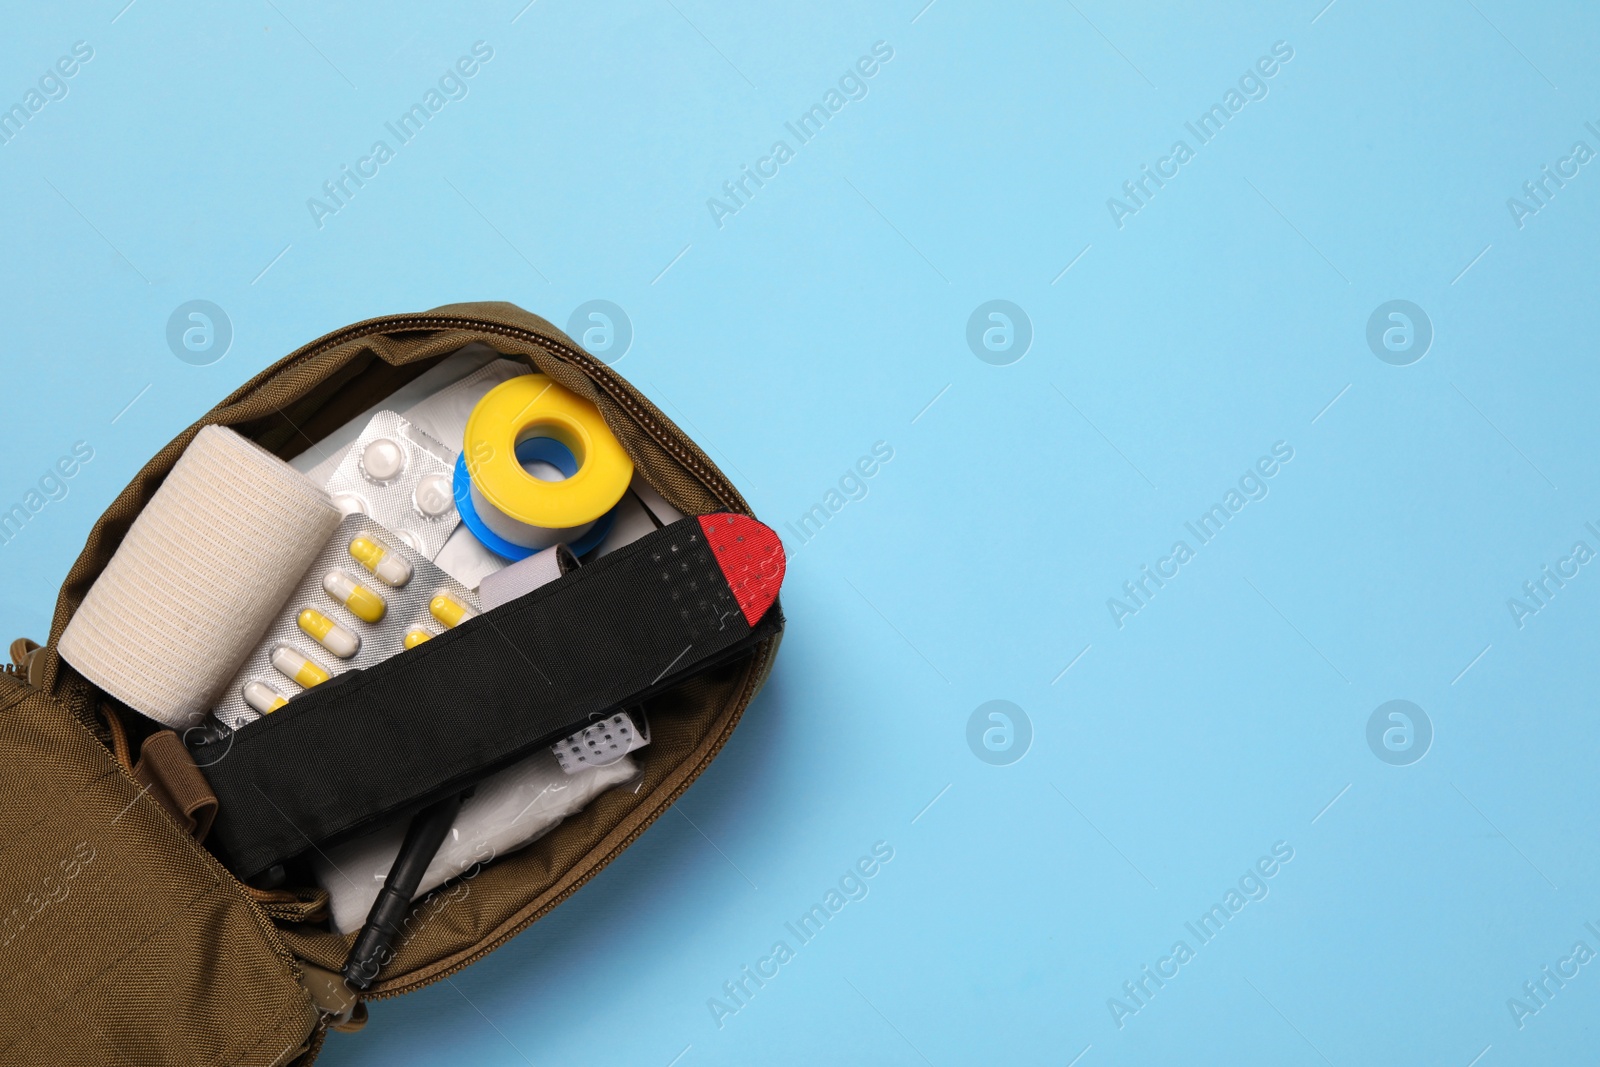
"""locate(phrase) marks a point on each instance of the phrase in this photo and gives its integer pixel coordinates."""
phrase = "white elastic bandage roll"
(200, 576)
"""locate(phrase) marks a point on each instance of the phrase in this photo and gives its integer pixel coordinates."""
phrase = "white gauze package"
(509, 810)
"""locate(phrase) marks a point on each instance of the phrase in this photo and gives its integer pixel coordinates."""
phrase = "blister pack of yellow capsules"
(368, 595)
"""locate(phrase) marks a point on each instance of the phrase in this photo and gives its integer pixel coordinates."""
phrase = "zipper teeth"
(264, 922)
(280, 948)
(596, 371)
(714, 482)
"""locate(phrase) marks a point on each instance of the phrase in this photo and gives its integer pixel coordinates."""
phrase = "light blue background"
(1227, 315)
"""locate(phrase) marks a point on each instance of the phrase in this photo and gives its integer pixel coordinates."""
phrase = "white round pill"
(434, 496)
(350, 504)
(382, 459)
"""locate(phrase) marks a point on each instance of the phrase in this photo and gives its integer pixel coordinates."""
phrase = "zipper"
(592, 368)
(625, 395)
(264, 922)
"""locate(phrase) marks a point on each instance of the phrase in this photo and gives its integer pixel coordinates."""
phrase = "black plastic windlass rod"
(423, 838)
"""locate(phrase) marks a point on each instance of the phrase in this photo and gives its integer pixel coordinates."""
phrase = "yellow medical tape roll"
(521, 508)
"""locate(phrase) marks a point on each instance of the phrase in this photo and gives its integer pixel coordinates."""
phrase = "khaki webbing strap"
(341, 1008)
(20, 650)
(167, 770)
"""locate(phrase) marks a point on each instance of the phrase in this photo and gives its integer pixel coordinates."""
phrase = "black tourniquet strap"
(372, 743)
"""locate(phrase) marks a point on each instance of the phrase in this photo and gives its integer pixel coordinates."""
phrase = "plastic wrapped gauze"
(509, 810)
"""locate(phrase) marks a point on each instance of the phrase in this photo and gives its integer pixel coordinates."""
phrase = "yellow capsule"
(329, 634)
(390, 567)
(263, 697)
(301, 670)
(448, 610)
(416, 635)
(363, 603)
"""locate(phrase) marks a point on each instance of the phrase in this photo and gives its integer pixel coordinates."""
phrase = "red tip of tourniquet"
(751, 558)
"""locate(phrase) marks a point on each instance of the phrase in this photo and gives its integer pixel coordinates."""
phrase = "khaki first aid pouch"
(123, 939)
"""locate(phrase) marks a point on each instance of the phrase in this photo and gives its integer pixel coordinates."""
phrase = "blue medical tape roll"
(533, 450)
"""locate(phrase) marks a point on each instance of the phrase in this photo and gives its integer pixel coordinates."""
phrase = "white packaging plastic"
(508, 811)
(319, 461)
(634, 516)
(443, 415)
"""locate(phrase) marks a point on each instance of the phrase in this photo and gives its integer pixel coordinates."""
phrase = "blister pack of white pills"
(403, 479)
(367, 596)
(604, 741)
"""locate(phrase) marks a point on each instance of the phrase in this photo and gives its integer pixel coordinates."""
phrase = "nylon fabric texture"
(375, 742)
(111, 955)
(285, 408)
